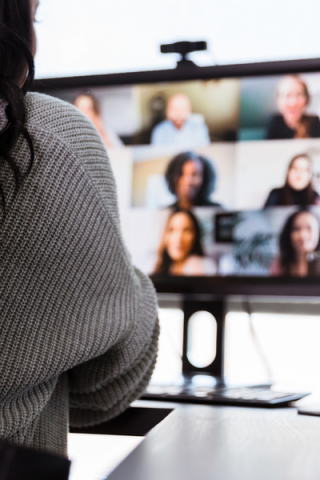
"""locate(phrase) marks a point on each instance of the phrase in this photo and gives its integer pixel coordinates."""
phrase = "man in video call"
(180, 127)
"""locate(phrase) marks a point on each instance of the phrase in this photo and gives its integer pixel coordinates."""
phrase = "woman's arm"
(69, 294)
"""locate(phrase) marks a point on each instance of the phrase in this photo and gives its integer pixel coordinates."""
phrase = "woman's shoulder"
(46, 110)
(277, 190)
(277, 128)
(274, 197)
(276, 120)
(53, 121)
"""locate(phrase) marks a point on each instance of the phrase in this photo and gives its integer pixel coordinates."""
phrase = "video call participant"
(180, 128)
(181, 252)
(191, 178)
(90, 107)
(298, 189)
(292, 122)
(298, 239)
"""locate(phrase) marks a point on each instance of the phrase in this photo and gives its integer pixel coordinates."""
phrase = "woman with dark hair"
(298, 240)
(192, 179)
(89, 105)
(298, 188)
(292, 121)
(78, 323)
(181, 252)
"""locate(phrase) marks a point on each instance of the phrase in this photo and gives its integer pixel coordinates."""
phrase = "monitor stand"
(217, 308)
(207, 384)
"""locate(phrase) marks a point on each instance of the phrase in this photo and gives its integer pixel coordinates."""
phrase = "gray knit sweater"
(78, 323)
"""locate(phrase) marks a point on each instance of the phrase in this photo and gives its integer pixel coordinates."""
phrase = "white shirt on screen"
(194, 133)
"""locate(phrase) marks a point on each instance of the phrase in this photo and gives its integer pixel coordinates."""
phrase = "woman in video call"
(78, 321)
(191, 178)
(181, 252)
(298, 189)
(292, 121)
(90, 107)
(298, 239)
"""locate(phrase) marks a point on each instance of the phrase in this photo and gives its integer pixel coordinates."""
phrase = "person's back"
(78, 322)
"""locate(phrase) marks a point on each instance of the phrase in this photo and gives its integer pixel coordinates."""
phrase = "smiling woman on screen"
(298, 188)
(299, 240)
(78, 323)
(292, 121)
(181, 252)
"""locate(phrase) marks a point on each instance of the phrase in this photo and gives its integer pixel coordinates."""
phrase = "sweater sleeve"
(70, 298)
(105, 386)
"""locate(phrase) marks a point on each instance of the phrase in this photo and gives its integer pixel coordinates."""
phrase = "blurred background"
(103, 36)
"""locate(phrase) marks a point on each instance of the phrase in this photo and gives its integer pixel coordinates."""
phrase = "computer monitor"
(218, 172)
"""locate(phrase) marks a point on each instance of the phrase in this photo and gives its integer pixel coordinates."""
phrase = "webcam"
(184, 48)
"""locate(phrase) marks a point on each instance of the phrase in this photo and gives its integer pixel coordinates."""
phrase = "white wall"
(79, 37)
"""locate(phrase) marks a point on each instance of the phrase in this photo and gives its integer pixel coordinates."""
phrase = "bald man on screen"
(181, 128)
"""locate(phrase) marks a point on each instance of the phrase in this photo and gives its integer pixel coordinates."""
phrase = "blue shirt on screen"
(193, 133)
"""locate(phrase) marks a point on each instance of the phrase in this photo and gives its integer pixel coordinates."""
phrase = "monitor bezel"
(220, 285)
(179, 74)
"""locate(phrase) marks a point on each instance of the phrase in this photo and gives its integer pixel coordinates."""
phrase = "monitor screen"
(216, 177)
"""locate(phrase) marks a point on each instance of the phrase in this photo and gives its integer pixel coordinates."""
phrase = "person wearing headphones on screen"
(192, 179)
(180, 128)
(293, 121)
(78, 323)
(298, 188)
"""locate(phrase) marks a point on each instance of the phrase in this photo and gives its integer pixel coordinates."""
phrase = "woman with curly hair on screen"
(192, 179)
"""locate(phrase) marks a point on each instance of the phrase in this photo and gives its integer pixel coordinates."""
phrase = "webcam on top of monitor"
(184, 48)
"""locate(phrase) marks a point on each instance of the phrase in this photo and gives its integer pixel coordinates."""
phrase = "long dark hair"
(174, 172)
(164, 261)
(309, 193)
(287, 252)
(16, 68)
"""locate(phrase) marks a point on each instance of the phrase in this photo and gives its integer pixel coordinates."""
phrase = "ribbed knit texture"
(78, 323)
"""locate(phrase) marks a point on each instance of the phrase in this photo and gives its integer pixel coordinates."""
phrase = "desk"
(196, 442)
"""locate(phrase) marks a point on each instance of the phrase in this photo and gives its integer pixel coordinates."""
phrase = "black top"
(278, 129)
(298, 197)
